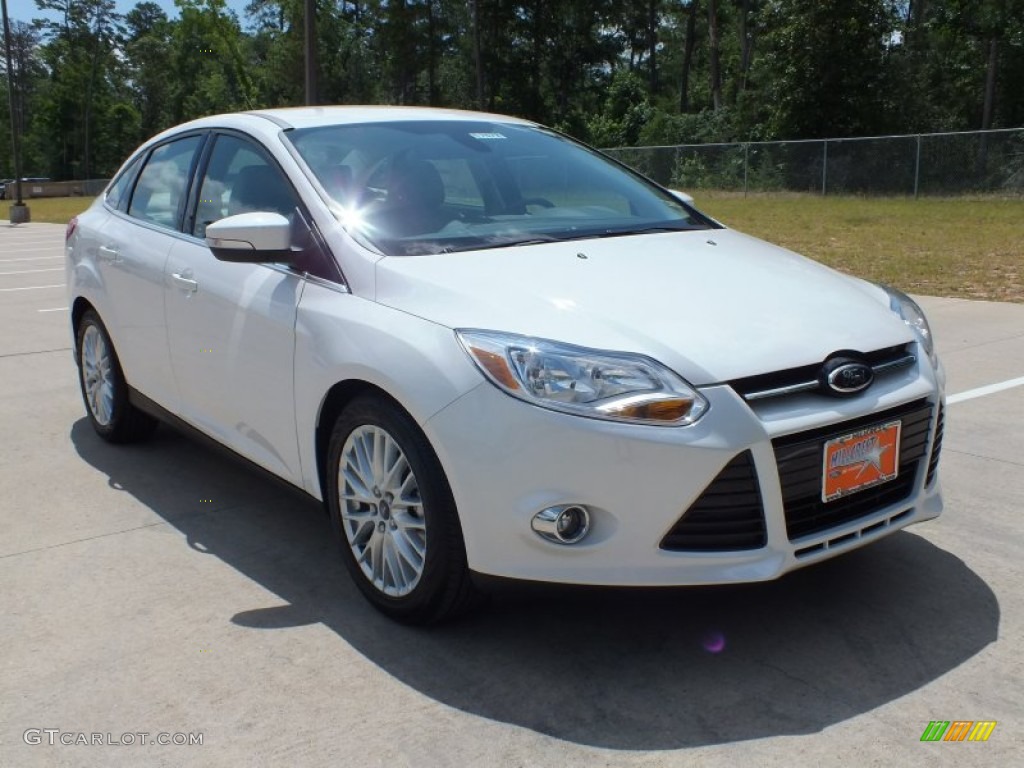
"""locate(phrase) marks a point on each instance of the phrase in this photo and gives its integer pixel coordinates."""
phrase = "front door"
(231, 326)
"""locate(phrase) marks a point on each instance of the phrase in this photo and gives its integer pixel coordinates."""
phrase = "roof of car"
(302, 117)
(306, 117)
(267, 122)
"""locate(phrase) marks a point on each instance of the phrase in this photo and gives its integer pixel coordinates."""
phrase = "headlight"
(587, 382)
(912, 315)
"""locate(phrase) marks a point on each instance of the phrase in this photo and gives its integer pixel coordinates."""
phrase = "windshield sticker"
(488, 136)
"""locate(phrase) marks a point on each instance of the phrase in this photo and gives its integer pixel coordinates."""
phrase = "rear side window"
(161, 187)
(117, 194)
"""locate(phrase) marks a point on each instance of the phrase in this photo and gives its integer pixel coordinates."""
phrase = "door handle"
(185, 283)
(108, 254)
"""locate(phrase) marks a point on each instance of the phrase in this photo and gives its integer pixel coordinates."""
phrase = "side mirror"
(682, 196)
(251, 238)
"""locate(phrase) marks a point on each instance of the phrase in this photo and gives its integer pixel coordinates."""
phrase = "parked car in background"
(490, 349)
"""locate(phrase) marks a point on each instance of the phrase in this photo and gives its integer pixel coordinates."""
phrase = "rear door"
(132, 251)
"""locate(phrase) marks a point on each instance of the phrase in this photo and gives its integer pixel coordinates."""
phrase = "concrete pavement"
(164, 589)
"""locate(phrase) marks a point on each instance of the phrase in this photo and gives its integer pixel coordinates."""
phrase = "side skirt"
(157, 411)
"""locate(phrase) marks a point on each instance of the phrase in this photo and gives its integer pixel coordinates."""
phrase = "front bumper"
(507, 460)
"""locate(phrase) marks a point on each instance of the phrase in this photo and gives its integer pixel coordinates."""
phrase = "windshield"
(438, 186)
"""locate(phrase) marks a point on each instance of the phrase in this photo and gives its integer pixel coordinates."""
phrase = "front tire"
(104, 388)
(394, 515)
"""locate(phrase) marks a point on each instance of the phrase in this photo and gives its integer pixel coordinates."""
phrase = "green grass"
(51, 210)
(967, 247)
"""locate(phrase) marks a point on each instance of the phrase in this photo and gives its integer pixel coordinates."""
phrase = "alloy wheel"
(382, 511)
(98, 375)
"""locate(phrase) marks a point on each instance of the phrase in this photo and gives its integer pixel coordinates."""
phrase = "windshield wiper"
(531, 240)
(639, 231)
(626, 232)
(541, 239)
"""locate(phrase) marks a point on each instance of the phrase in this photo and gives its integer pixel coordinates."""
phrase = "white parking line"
(31, 258)
(33, 287)
(21, 237)
(43, 247)
(33, 271)
(54, 309)
(991, 389)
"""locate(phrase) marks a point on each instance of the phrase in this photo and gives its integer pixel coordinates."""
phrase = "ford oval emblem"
(843, 376)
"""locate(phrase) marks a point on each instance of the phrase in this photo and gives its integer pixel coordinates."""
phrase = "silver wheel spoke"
(377, 450)
(406, 521)
(104, 402)
(405, 490)
(377, 560)
(360, 535)
(365, 555)
(409, 549)
(358, 483)
(360, 496)
(381, 510)
(394, 568)
(398, 466)
(357, 519)
(362, 465)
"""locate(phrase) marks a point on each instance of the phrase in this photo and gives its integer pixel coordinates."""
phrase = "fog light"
(564, 524)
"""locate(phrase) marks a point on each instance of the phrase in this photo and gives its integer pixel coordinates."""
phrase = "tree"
(28, 74)
(148, 47)
(823, 67)
(209, 73)
(715, 55)
(84, 73)
(693, 9)
(93, 83)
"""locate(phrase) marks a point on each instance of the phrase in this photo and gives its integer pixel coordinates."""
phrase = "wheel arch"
(334, 402)
(78, 309)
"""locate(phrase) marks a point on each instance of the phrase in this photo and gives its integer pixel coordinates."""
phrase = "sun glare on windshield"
(421, 187)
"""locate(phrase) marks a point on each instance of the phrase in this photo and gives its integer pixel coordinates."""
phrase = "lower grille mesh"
(799, 458)
(727, 517)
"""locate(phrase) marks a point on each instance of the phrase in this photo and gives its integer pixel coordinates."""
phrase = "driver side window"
(239, 179)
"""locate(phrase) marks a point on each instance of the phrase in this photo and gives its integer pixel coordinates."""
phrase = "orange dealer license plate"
(860, 460)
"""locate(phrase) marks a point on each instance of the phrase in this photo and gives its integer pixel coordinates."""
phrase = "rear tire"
(394, 515)
(104, 389)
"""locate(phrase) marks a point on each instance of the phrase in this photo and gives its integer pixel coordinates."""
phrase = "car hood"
(714, 305)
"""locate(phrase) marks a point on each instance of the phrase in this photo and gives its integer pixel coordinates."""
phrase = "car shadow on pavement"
(621, 669)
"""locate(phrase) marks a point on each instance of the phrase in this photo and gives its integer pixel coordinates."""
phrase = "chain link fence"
(988, 162)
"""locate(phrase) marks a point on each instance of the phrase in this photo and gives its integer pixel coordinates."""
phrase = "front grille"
(800, 457)
(933, 462)
(776, 383)
(727, 517)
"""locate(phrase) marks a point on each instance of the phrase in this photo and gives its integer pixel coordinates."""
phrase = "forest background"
(92, 82)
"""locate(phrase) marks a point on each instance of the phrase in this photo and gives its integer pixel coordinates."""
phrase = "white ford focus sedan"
(491, 350)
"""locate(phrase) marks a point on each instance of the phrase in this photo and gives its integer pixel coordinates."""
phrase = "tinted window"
(117, 193)
(239, 179)
(415, 187)
(163, 181)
